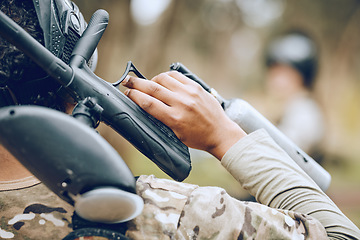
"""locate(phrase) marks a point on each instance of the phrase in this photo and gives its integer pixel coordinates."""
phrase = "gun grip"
(159, 144)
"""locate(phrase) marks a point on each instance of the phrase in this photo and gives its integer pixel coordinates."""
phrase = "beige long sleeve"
(270, 175)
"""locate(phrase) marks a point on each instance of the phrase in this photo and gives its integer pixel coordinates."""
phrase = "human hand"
(193, 114)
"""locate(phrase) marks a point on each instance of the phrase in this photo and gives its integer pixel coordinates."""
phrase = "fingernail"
(126, 80)
(127, 92)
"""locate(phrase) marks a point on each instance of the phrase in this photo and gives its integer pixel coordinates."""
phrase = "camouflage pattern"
(33, 212)
(183, 211)
(172, 210)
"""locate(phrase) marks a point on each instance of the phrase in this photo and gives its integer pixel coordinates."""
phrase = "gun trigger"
(130, 67)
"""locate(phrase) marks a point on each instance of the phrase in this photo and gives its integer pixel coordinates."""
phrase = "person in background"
(292, 64)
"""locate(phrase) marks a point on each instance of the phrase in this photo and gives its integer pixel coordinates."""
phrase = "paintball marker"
(249, 119)
(99, 100)
(72, 160)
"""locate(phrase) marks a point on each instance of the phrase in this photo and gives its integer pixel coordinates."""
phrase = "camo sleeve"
(266, 171)
(176, 210)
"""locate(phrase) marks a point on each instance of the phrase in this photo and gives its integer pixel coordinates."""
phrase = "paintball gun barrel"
(249, 119)
(150, 136)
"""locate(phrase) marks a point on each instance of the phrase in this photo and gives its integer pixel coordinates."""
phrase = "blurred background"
(224, 42)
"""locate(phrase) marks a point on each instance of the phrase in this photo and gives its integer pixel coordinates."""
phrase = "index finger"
(180, 77)
(150, 104)
(189, 80)
(174, 81)
(150, 88)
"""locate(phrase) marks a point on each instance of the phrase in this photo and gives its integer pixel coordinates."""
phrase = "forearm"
(266, 172)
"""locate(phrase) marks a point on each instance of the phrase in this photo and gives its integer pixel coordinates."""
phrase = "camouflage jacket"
(29, 211)
(172, 210)
(183, 211)
(293, 207)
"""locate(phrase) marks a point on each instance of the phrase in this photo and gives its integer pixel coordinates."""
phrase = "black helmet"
(297, 50)
(58, 25)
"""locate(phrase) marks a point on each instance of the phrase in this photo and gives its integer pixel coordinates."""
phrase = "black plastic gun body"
(147, 134)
